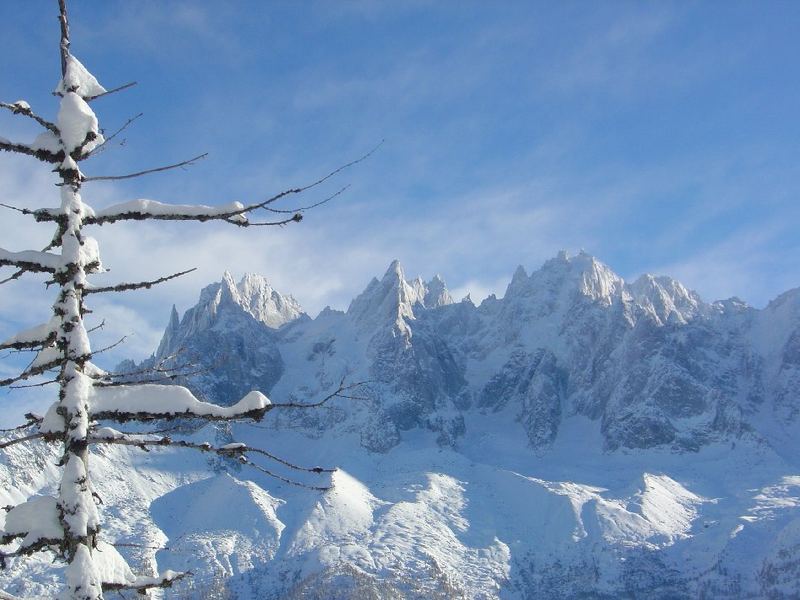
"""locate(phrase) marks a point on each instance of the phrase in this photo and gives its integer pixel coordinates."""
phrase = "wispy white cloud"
(743, 264)
(503, 146)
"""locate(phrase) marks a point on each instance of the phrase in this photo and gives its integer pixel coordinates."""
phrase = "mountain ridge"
(652, 361)
(581, 436)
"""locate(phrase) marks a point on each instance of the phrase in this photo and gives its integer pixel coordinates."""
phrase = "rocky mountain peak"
(252, 296)
(170, 332)
(393, 300)
(562, 277)
(666, 300)
(436, 293)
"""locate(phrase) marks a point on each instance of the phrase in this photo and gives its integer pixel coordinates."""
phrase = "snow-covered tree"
(89, 398)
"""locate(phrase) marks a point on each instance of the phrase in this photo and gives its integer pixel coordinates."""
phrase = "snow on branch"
(234, 213)
(36, 523)
(78, 79)
(138, 210)
(20, 107)
(30, 260)
(149, 402)
(35, 337)
(142, 583)
(40, 153)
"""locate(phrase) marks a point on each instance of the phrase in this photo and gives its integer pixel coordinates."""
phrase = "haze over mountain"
(582, 435)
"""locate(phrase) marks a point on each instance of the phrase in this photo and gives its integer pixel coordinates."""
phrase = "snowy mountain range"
(582, 436)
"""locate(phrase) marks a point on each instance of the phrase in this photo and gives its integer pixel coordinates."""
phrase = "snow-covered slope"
(581, 436)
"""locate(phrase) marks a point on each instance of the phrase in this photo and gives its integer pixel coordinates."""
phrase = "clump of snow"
(46, 260)
(234, 446)
(47, 141)
(90, 254)
(75, 121)
(36, 519)
(33, 334)
(169, 400)
(155, 208)
(83, 577)
(165, 576)
(109, 433)
(110, 565)
(78, 79)
(77, 503)
(52, 422)
(46, 356)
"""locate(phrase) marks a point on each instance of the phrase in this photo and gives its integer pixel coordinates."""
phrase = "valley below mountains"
(580, 437)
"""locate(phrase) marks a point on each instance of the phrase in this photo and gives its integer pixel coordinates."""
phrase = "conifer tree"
(89, 399)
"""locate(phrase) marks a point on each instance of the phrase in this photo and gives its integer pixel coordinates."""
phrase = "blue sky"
(660, 137)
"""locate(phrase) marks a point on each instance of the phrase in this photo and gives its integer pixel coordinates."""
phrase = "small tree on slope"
(69, 524)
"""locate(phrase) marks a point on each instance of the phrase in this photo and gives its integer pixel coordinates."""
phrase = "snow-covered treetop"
(79, 80)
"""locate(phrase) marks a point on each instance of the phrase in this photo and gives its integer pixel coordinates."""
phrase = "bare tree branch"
(24, 211)
(288, 464)
(32, 372)
(285, 479)
(13, 277)
(337, 394)
(294, 219)
(157, 368)
(112, 346)
(33, 385)
(124, 287)
(96, 327)
(99, 147)
(32, 420)
(27, 438)
(102, 146)
(112, 91)
(64, 45)
(237, 451)
(235, 216)
(184, 163)
(19, 108)
(164, 379)
(310, 206)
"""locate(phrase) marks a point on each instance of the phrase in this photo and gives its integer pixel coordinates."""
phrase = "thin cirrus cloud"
(658, 138)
